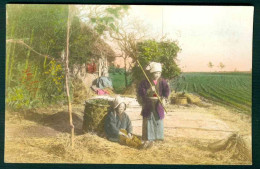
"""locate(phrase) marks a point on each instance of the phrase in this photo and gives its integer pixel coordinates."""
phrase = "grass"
(232, 89)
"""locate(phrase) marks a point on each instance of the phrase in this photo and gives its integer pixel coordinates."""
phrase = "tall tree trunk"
(67, 80)
(125, 72)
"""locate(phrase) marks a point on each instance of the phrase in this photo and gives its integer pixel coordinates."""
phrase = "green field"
(232, 89)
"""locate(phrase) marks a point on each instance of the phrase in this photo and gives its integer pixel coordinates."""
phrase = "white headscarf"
(154, 67)
(118, 100)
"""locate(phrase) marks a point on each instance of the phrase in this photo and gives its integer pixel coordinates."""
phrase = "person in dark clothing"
(118, 126)
(152, 109)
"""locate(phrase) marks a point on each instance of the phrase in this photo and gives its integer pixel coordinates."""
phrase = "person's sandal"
(150, 144)
(146, 145)
(143, 145)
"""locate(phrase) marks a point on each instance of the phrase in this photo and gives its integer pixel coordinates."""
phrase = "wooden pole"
(125, 71)
(67, 80)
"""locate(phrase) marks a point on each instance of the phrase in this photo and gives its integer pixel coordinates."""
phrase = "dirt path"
(191, 121)
(42, 137)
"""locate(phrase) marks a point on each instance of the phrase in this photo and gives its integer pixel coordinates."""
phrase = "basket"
(94, 116)
(179, 100)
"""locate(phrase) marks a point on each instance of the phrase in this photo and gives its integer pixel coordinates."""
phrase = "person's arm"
(166, 89)
(129, 128)
(142, 91)
(111, 125)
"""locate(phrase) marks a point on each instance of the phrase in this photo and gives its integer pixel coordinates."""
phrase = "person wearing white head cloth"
(152, 109)
(118, 127)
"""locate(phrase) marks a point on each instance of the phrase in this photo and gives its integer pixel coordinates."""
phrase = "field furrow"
(232, 89)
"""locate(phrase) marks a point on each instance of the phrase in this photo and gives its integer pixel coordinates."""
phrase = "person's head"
(119, 105)
(121, 108)
(156, 75)
(155, 70)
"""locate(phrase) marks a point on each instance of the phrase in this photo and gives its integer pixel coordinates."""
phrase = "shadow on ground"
(58, 121)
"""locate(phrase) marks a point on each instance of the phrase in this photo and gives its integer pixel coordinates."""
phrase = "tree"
(164, 51)
(126, 36)
(102, 19)
(210, 65)
(221, 65)
(100, 28)
(67, 76)
(35, 38)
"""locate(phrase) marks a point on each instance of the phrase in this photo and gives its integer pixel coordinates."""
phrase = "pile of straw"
(234, 146)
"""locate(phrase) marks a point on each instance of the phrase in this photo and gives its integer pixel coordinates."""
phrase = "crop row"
(231, 89)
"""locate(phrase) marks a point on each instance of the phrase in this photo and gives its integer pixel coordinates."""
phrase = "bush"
(164, 52)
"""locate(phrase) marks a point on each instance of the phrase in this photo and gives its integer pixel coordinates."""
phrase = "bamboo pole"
(29, 51)
(11, 65)
(19, 41)
(67, 80)
(8, 54)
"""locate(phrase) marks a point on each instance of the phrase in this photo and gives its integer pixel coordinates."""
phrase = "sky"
(205, 34)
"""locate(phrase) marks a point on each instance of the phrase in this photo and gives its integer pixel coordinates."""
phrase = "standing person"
(118, 126)
(152, 109)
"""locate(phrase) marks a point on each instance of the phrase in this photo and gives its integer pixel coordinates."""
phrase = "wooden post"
(67, 80)
(99, 67)
(125, 71)
(106, 62)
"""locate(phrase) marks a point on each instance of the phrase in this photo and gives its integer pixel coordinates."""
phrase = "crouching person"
(118, 127)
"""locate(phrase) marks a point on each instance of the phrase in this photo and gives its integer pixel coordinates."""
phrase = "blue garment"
(152, 111)
(103, 82)
(152, 128)
(113, 124)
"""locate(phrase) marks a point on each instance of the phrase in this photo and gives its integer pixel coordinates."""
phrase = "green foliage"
(17, 98)
(81, 43)
(232, 89)
(114, 70)
(23, 95)
(30, 88)
(221, 65)
(83, 37)
(164, 52)
(32, 79)
(47, 21)
(53, 83)
(210, 65)
(99, 101)
(118, 81)
(106, 21)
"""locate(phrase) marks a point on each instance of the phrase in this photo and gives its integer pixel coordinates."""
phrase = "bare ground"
(42, 136)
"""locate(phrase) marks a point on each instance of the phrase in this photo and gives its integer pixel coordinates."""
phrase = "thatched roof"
(100, 47)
